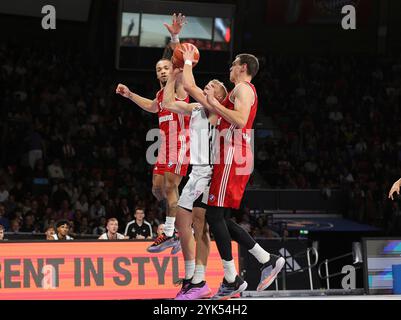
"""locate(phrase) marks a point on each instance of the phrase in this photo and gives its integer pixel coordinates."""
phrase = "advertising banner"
(95, 270)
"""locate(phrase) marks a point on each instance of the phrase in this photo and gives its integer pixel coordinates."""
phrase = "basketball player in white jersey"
(193, 199)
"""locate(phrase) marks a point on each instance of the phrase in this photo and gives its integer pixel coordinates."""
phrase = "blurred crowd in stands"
(337, 126)
(71, 149)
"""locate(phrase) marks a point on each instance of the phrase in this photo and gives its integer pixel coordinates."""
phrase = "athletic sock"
(189, 269)
(229, 271)
(169, 226)
(199, 274)
(260, 254)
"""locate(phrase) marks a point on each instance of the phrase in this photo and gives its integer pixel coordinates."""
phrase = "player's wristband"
(175, 38)
(188, 62)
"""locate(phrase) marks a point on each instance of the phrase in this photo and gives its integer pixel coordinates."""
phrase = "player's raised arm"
(188, 79)
(144, 103)
(395, 189)
(178, 21)
(242, 106)
(169, 101)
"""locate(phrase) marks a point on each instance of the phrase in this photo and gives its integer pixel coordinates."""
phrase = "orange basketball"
(178, 60)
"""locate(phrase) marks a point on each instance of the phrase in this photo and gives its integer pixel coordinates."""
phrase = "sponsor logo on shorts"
(170, 164)
(212, 198)
(246, 137)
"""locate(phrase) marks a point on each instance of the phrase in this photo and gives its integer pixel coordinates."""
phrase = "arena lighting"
(357, 252)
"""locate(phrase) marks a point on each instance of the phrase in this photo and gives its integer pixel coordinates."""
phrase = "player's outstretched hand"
(178, 22)
(394, 188)
(177, 71)
(123, 90)
(209, 90)
(188, 53)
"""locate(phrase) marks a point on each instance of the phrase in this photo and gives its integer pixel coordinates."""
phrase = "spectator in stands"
(62, 230)
(40, 181)
(50, 232)
(72, 192)
(59, 195)
(2, 232)
(35, 209)
(72, 231)
(50, 218)
(84, 227)
(55, 171)
(82, 204)
(101, 227)
(15, 226)
(65, 212)
(44, 203)
(154, 222)
(139, 228)
(77, 220)
(3, 219)
(160, 230)
(36, 146)
(124, 208)
(3, 193)
(97, 211)
(111, 231)
(18, 215)
(68, 150)
(269, 233)
(19, 191)
(11, 205)
(29, 223)
(245, 224)
(125, 161)
(111, 209)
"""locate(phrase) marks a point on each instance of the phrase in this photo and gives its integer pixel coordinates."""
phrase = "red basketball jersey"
(235, 159)
(241, 137)
(174, 151)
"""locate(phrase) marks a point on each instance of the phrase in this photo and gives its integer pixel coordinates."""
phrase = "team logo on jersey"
(197, 194)
(170, 164)
(212, 198)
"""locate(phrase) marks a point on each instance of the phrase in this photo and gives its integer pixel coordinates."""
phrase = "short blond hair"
(222, 88)
(112, 220)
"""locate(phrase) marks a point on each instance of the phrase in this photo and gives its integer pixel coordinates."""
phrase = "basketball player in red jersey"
(172, 162)
(231, 174)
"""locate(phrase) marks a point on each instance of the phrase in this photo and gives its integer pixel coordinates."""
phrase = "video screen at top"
(147, 30)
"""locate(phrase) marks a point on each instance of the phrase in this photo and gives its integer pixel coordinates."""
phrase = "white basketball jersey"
(202, 135)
